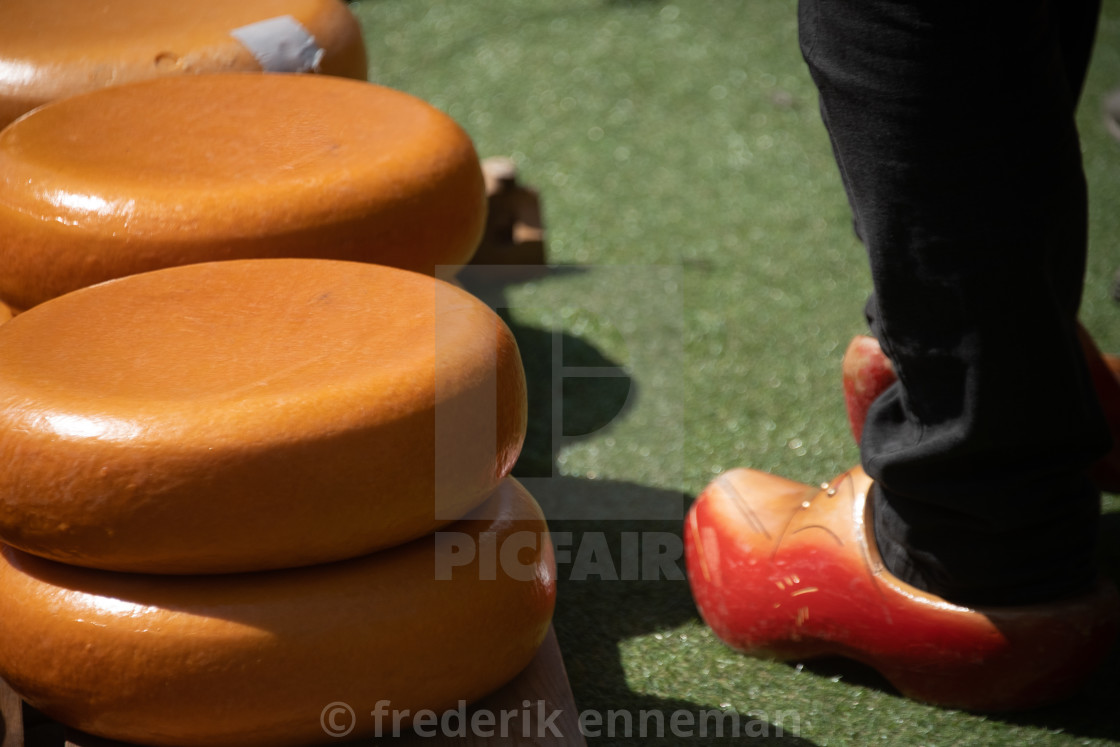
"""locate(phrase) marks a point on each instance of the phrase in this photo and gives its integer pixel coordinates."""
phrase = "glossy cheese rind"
(231, 166)
(53, 49)
(254, 659)
(253, 414)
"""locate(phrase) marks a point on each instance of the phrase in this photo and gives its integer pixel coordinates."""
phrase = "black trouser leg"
(953, 126)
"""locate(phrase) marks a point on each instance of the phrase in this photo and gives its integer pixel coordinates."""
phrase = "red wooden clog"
(867, 372)
(789, 571)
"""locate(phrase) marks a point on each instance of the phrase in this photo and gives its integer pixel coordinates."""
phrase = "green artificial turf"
(708, 282)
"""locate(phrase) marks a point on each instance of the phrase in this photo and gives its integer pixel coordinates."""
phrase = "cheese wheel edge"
(253, 659)
(248, 483)
(68, 219)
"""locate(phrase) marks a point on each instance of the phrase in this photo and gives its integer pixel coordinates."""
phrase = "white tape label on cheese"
(281, 45)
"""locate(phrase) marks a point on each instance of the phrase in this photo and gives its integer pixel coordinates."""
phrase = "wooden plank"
(11, 716)
(538, 705)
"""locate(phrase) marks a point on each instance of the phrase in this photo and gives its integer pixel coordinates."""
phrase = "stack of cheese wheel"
(226, 510)
(53, 49)
(201, 168)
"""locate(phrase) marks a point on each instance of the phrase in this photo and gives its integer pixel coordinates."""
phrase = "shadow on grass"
(607, 597)
(619, 548)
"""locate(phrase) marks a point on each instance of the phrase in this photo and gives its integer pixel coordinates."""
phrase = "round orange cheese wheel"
(276, 658)
(252, 414)
(231, 166)
(52, 49)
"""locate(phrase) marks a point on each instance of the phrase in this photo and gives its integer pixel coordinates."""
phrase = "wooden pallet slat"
(11, 717)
